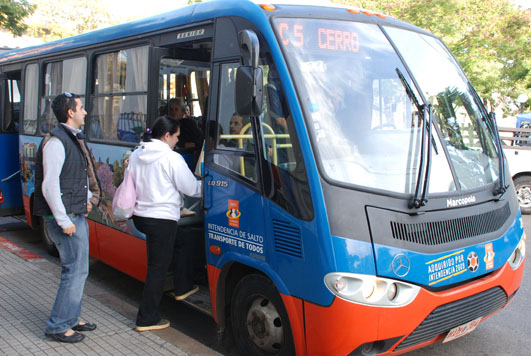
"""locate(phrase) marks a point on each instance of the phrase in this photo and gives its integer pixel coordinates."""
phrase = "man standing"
(66, 189)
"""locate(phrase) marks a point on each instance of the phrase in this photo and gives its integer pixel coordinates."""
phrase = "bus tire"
(48, 243)
(259, 320)
(522, 185)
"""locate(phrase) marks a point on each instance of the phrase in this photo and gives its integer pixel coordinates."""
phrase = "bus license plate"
(462, 330)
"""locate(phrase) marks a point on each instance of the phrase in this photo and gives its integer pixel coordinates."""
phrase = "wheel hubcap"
(265, 325)
(524, 195)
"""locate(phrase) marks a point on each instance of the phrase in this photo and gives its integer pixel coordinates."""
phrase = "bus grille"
(287, 238)
(449, 316)
(440, 232)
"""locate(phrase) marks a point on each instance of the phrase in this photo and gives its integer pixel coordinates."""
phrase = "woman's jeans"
(162, 241)
(74, 254)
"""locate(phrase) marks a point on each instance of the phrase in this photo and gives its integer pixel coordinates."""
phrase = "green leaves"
(12, 13)
(490, 39)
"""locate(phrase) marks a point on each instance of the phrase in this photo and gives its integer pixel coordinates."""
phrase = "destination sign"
(314, 36)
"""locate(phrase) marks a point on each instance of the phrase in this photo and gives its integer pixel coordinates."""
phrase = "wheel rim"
(265, 326)
(523, 193)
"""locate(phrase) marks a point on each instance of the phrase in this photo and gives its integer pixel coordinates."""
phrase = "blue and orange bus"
(356, 200)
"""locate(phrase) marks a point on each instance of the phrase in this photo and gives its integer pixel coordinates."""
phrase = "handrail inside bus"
(272, 135)
(11, 176)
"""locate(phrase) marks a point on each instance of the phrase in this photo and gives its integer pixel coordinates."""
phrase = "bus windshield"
(366, 129)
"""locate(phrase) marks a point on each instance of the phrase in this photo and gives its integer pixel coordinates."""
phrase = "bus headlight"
(518, 255)
(371, 290)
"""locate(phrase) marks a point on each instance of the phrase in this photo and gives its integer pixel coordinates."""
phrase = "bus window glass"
(465, 134)
(280, 146)
(31, 86)
(12, 107)
(75, 75)
(187, 83)
(120, 99)
(235, 139)
(366, 130)
(65, 76)
(53, 85)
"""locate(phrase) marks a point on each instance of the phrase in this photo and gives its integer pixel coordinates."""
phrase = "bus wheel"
(45, 235)
(259, 320)
(522, 185)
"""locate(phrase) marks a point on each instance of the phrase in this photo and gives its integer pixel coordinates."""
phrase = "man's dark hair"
(62, 103)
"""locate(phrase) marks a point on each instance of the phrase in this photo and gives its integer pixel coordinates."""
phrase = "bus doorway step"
(200, 300)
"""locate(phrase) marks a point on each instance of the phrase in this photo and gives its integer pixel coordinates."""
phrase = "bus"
(356, 200)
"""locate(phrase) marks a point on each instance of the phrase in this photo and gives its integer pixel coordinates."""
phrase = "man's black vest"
(73, 177)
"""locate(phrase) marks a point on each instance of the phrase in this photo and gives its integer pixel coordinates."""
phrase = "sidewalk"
(28, 284)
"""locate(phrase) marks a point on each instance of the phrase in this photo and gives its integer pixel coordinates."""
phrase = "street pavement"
(28, 284)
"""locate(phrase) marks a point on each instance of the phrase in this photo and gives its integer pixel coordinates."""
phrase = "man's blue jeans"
(74, 254)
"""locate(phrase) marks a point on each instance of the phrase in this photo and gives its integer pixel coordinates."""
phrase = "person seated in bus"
(163, 108)
(160, 175)
(236, 125)
(187, 113)
(191, 136)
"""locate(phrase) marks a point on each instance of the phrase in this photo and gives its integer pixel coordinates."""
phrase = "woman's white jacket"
(160, 174)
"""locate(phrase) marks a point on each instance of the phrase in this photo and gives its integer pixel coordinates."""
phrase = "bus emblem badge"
(400, 265)
(472, 261)
(489, 256)
(234, 213)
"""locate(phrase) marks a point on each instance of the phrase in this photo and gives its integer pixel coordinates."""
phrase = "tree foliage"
(12, 14)
(490, 39)
(54, 19)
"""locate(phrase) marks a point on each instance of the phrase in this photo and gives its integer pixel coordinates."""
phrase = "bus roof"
(193, 14)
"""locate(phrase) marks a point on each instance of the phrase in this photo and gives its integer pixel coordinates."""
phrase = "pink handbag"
(124, 200)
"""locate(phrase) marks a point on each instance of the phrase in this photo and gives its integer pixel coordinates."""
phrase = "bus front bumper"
(345, 328)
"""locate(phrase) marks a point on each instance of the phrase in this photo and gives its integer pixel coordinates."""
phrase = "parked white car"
(517, 149)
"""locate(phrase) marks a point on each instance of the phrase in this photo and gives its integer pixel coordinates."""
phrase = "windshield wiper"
(425, 113)
(490, 120)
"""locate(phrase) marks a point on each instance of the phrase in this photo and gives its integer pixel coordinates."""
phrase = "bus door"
(256, 199)
(234, 207)
(10, 186)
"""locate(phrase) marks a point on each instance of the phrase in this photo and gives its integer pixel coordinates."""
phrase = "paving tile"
(27, 291)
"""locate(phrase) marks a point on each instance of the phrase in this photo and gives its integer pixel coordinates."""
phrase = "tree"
(490, 39)
(12, 13)
(54, 19)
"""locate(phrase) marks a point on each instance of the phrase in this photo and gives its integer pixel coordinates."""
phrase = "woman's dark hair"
(159, 128)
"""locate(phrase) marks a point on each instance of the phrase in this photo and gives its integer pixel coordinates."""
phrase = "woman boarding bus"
(367, 208)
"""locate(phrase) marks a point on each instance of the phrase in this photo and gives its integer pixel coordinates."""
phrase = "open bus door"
(10, 185)
(233, 205)
(237, 221)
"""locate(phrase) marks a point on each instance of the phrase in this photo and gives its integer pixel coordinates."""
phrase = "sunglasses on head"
(67, 94)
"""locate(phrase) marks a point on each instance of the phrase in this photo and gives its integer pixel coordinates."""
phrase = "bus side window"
(289, 187)
(64, 76)
(12, 105)
(235, 145)
(119, 108)
(31, 81)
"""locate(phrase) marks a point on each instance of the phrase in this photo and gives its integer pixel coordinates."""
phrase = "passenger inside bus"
(191, 136)
(236, 125)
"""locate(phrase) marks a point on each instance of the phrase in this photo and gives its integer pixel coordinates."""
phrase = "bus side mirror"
(249, 91)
